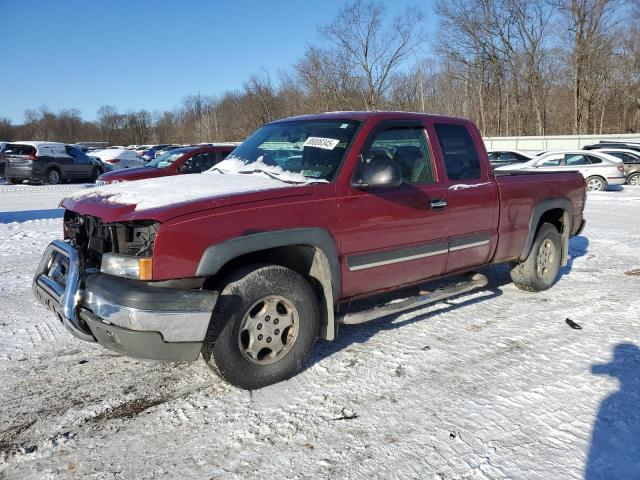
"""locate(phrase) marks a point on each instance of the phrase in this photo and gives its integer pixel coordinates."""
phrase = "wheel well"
(307, 260)
(559, 218)
(555, 217)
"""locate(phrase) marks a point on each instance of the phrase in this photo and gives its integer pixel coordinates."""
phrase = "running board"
(476, 280)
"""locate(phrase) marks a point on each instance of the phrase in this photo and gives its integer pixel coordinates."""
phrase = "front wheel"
(264, 326)
(596, 184)
(95, 173)
(540, 269)
(634, 179)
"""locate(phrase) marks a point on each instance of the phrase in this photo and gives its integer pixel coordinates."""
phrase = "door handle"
(438, 204)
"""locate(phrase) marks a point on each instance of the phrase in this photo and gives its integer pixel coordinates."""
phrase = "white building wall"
(553, 142)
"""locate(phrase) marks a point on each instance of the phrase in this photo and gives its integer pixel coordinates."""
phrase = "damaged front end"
(98, 283)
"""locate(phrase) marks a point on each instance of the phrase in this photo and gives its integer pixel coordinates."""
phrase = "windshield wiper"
(272, 175)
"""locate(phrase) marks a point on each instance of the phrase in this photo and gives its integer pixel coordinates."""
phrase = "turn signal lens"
(145, 266)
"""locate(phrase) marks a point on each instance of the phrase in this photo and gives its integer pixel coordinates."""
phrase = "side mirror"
(376, 174)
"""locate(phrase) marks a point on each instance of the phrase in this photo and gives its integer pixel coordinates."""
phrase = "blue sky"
(149, 54)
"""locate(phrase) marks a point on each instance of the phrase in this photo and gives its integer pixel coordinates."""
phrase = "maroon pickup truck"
(313, 221)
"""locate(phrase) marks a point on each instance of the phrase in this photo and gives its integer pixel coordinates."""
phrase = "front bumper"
(127, 316)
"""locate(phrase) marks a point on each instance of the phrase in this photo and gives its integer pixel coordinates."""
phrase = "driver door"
(392, 236)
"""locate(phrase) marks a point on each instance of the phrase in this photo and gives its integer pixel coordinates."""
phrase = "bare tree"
(372, 50)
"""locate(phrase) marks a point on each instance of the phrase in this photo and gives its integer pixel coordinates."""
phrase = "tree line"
(516, 67)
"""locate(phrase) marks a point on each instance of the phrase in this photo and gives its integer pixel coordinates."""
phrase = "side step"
(475, 281)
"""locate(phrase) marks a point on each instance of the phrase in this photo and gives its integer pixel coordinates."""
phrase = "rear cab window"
(459, 152)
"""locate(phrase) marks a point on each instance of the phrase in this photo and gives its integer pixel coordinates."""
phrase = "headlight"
(139, 268)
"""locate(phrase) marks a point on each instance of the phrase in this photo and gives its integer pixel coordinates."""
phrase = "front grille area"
(94, 237)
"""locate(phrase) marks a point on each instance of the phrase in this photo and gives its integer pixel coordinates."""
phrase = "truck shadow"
(615, 441)
(578, 247)
(497, 275)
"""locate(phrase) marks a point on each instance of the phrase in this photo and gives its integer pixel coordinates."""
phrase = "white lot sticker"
(319, 142)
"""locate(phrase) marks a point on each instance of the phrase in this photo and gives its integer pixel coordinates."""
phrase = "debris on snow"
(573, 324)
(347, 414)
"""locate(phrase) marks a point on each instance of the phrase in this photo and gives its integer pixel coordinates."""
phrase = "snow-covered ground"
(494, 384)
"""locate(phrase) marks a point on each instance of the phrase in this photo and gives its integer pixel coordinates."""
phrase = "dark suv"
(49, 163)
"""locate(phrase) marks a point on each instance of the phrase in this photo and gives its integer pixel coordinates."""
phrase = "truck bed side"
(527, 200)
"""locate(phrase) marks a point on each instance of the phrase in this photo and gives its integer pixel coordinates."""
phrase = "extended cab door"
(472, 196)
(392, 236)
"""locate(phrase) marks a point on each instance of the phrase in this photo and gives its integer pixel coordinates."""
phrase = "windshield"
(165, 159)
(299, 151)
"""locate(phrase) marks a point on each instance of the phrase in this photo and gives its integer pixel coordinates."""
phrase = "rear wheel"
(52, 177)
(264, 327)
(596, 184)
(539, 271)
(634, 179)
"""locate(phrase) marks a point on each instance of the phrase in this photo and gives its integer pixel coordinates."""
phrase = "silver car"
(599, 169)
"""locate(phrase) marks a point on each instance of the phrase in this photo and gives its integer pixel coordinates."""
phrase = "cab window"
(407, 148)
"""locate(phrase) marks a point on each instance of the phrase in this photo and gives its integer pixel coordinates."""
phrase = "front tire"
(539, 271)
(596, 184)
(264, 326)
(95, 173)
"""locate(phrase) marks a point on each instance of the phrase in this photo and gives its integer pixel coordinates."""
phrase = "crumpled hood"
(169, 197)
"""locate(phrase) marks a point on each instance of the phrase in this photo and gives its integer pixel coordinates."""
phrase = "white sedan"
(599, 169)
(118, 158)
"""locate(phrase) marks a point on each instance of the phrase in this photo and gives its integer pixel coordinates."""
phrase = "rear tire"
(52, 177)
(264, 326)
(539, 271)
(596, 184)
(634, 179)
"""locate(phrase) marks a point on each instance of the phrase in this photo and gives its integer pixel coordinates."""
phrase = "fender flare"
(539, 210)
(217, 255)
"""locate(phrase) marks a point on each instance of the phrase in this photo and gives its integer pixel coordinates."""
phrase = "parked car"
(599, 169)
(613, 144)
(118, 158)
(152, 152)
(49, 163)
(176, 162)
(630, 160)
(250, 262)
(500, 158)
(166, 149)
(3, 146)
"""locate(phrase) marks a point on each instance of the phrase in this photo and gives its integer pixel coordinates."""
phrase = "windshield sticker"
(344, 125)
(319, 142)
(311, 173)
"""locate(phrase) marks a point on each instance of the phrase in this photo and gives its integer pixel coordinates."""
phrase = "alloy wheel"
(268, 330)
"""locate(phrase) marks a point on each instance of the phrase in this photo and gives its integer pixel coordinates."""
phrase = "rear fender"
(534, 223)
